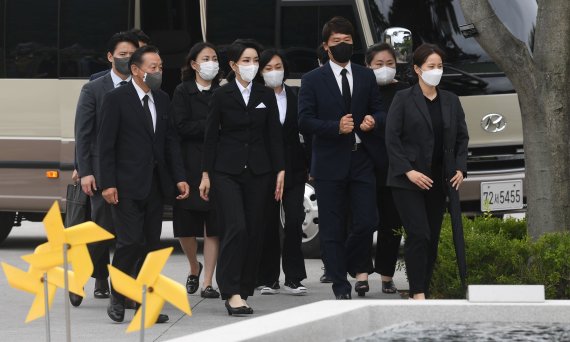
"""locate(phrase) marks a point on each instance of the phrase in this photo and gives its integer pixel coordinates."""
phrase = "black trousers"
(357, 194)
(388, 240)
(138, 224)
(99, 251)
(422, 214)
(293, 260)
(242, 200)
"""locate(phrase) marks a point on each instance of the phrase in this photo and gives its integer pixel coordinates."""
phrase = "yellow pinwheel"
(159, 289)
(75, 238)
(32, 281)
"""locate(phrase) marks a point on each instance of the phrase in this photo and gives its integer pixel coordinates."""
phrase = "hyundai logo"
(493, 123)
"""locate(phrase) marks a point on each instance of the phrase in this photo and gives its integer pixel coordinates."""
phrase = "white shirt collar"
(116, 79)
(241, 88)
(141, 93)
(282, 93)
(202, 88)
(337, 68)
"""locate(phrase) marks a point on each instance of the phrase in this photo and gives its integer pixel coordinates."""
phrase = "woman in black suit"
(426, 139)
(273, 72)
(195, 217)
(243, 158)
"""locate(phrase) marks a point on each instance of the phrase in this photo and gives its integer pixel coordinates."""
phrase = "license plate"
(502, 195)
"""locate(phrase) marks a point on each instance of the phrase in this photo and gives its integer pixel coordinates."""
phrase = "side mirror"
(401, 40)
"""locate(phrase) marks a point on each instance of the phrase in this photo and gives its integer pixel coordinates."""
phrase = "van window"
(2, 43)
(31, 38)
(85, 28)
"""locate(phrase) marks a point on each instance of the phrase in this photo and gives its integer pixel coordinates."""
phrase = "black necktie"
(346, 90)
(148, 112)
(122, 83)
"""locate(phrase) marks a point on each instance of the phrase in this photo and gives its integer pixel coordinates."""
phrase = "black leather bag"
(77, 206)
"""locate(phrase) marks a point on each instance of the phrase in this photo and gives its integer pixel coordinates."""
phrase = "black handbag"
(77, 206)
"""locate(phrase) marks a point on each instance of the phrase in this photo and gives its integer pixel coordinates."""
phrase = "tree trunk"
(542, 84)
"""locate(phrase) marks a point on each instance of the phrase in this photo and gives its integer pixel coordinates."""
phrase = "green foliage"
(499, 252)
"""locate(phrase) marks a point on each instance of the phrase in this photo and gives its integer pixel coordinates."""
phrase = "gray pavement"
(90, 321)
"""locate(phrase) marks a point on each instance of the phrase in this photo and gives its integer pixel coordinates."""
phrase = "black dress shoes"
(193, 281)
(101, 288)
(361, 287)
(74, 299)
(209, 292)
(242, 310)
(162, 318)
(343, 296)
(325, 279)
(116, 309)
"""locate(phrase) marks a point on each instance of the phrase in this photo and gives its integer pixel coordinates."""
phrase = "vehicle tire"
(311, 243)
(6, 224)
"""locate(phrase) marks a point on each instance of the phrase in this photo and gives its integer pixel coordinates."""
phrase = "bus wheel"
(6, 224)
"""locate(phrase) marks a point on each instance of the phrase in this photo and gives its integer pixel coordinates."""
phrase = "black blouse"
(434, 108)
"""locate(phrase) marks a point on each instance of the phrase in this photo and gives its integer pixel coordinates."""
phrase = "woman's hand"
(279, 185)
(457, 180)
(419, 179)
(204, 187)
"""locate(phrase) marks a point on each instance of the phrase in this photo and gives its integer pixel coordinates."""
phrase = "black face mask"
(341, 52)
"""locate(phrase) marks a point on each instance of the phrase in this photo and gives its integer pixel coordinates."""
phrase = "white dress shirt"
(202, 88)
(337, 69)
(282, 105)
(151, 106)
(245, 92)
(117, 80)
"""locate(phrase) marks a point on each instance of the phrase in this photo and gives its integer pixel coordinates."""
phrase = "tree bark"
(542, 82)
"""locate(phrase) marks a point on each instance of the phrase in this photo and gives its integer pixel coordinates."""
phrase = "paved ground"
(90, 321)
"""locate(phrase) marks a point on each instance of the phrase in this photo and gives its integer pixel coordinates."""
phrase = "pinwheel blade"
(55, 277)
(44, 260)
(86, 232)
(53, 225)
(172, 292)
(125, 285)
(153, 265)
(154, 304)
(38, 308)
(21, 280)
(82, 265)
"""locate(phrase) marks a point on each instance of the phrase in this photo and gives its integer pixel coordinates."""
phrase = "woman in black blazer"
(272, 72)
(195, 217)
(243, 159)
(426, 140)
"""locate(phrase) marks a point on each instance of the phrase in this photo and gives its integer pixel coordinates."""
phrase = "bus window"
(85, 28)
(31, 38)
(2, 43)
(301, 33)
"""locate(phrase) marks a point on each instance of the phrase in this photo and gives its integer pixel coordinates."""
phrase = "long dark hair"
(265, 58)
(187, 72)
(236, 49)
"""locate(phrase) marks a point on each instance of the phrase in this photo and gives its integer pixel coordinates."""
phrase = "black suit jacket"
(239, 136)
(295, 156)
(87, 123)
(129, 149)
(321, 106)
(410, 141)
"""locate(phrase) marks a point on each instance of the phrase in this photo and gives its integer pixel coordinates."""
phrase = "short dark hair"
(187, 73)
(141, 36)
(375, 49)
(121, 37)
(266, 57)
(322, 54)
(425, 50)
(137, 56)
(337, 25)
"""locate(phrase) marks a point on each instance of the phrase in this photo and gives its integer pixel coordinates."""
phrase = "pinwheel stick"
(66, 292)
(143, 309)
(46, 302)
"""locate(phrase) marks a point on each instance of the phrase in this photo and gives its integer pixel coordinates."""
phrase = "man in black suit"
(140, 163)
(339, 106)
(87, 121)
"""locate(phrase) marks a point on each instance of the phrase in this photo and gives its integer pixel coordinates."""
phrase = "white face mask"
(248, 72)
(432, 77)
(209, 70)
(274, 78)
(384, 75)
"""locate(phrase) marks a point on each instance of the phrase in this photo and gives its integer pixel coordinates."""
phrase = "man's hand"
(205, 187)
(88, 185)
(111, 195)
(419, 179)
(75, 176)
(457, 180)
(346, 124)
(183, 189)
(279, 185)
(368, 123)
